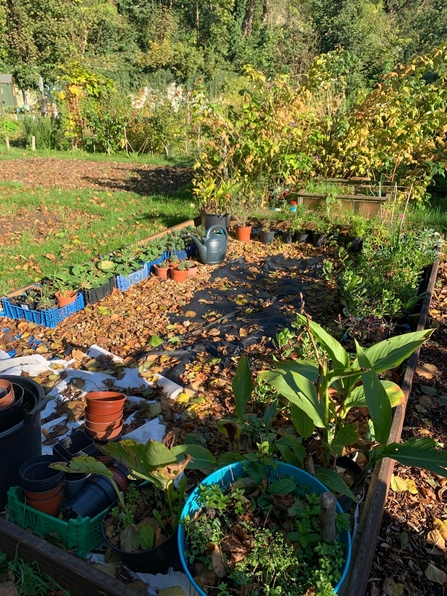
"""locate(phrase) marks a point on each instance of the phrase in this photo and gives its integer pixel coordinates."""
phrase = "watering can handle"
(216, 227)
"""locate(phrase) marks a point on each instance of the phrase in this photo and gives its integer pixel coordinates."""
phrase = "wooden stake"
(8, 148)
(33, 143)
(328, 507)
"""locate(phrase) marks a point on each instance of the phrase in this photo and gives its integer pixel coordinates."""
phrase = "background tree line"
(136, 41)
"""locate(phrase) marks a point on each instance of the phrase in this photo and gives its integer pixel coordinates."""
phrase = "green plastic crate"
(81, 534)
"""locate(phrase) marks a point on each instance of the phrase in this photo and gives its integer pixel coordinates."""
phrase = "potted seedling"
(162, 269)
(141, 528)
(180, 272)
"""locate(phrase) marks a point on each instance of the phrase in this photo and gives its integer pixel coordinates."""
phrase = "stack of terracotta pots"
(104, 415)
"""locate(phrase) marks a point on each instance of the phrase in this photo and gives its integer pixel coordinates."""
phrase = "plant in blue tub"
(256, 529)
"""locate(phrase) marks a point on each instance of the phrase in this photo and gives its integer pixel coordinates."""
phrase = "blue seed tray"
(46, 318)
(123, 282)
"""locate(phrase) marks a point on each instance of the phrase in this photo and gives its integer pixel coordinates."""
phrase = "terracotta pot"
(161, 272)
(243, 233)
(104, 403)
(6, 394)
(103, 426)
(65, 298)
(192, 271)
(178, 275)
(102, 418)
(106, 435)
(47, 502)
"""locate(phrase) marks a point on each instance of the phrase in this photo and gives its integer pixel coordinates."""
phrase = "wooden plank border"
(73, 574)
(365, 541)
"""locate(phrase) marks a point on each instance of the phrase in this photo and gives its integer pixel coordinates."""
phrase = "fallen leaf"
(218, 563)
(391, 588)
(441, 526)
(173, 591)
(435, 575)
(398, 484)
(435, 538)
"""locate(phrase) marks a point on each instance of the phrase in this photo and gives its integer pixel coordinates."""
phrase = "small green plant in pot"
(146, 520)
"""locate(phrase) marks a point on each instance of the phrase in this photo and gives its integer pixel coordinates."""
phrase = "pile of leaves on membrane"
(262, 537)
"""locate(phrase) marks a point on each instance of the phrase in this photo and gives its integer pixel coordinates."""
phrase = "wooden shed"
(8, 96)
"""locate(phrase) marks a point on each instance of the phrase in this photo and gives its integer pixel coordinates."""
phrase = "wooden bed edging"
(73, 574)
(365, 541)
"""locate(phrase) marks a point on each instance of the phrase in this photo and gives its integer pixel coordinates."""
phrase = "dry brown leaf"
(435, 537)
(441, 526)
(218, 562)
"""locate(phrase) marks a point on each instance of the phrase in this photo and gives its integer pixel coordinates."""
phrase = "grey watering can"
(213, 248)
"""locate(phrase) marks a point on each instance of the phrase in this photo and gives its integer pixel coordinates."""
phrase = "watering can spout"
(213, 249)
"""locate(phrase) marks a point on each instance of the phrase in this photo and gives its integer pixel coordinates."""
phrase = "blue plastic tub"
(227, 475)
(123, 282)
(46, 318)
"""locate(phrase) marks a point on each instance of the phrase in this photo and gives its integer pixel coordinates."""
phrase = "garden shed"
(8, 96)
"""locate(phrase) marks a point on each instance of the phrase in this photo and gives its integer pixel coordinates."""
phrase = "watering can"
(213, 248)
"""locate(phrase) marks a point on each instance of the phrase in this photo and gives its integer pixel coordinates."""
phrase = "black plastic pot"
(318, 238)
(287, 236)
(36, 475)
(15, 413)
(94, 295)
(215, 219)
(75, 445)
(355, 471)
(301, 237)
(23, 440)
(154, 560)
(73, 484)
(267, 236)
(96, 495)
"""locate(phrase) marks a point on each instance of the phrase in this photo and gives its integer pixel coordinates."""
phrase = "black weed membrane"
(248, 302)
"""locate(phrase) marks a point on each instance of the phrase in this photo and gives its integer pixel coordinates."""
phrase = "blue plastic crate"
(123, 282)
(46, 318)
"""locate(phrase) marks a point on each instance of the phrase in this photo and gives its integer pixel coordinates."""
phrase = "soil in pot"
(126, 541)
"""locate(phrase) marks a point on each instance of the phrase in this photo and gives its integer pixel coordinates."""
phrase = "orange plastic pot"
(68, 297)
(179, 275)
(192, 271)
(6, 394)
(104, 435)
(161, 272)
(48, 502)
(243, 233)
(104, 426)
(105, 403)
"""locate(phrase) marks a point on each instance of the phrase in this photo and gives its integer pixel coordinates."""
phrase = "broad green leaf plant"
(324, 390)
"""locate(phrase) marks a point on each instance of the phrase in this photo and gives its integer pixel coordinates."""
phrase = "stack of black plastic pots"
(75, 445)
(87, 495)
(20, 430)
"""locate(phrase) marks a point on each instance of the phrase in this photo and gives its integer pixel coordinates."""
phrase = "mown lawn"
(43, 228)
